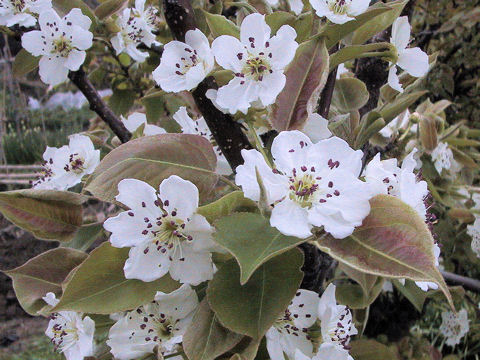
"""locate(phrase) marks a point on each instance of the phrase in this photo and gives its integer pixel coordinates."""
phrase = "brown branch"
(227, 133)
(327, 92)
(81, 81)
(467, 283)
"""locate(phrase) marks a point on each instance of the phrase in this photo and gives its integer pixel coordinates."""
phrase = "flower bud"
(428, 132)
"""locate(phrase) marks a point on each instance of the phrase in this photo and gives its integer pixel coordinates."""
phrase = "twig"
(467, 283)
(80, 79)
(227, 133)
(327, 92)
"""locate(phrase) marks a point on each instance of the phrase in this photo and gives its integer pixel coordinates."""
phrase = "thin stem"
(259, 144)
(229, 182)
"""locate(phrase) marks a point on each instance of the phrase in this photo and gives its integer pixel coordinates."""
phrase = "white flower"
(136, 26)
(312, 184)
(342, 69)
(65, 167)
(200, 127)
(316, 128)
(474, 232)
(160, 323)
(326, 351)
(184, 65)
(135, 120)
(163, 230)
(400, 122)
(69, 332)
(385, 177)
(454, 326)
(336, 320)
(289, 332)
(20, 12)
(339, 11)
(414, 61)
(257, 61)
(295, 5)
(442, 157)
(61, 43)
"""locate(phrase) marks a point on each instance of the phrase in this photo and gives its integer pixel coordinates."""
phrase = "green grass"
(37, 348)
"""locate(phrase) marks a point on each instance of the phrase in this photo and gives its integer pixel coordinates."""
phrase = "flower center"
(18, 5)
(156, 327)
(302, 188)
(76, 164)
(285, 324)
(339, 7)
(189, 60)
(64, 332)
(340, 328)
(62, 46)
(45, 174)
(256, 67)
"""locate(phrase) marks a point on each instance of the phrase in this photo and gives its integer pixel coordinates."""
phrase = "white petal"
(296, 6)
(179, 303)
(254, 27)
(134, 121)
(196, 267)
(274, 347)
(237, 95)
(198, 41)
(401, 33)
(151, 130)
(414, 61)
(358, 7)
(327, 302)
(305, 306)
(394, 80)
(229, 52)
(331, 351)
(81, 38)
(51, 299)
(271, 85)
(201, 232)
(146, 265)
(179, 195)
(137, 195)
(53, 71)
(32, 42)
(48, 17)
(291, 219)
(316, 128)
(76, 17)
(289, 150)
(127, 230)
(283, 46)
(75, 60)
(337, 149)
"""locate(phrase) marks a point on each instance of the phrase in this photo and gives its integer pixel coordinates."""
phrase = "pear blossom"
(135, 120)
(474, 232)
(295, 5)
(163, 231)
(289, 332)
(326, 351)
(311, 184)
(316, 128)
(200, 127)
(454, 326)
(257, 61)
(184, 64)
(70, 332)
(340, 11)
(61, 43)
(414, 61)
(386, 177)
(66, 166)
(442, 157)
(161, 323)
(400, 122)
(136, 26)
(21, 12)
(336, 320)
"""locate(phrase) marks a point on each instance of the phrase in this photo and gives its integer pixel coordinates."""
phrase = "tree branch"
(81, 81)
(467, 283)
(327, 92)
(227, 133)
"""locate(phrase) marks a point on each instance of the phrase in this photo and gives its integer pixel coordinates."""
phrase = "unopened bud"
(462, 215)
(428, 133)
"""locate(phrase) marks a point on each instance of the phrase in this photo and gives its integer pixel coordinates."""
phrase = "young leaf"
(228, 204)
(153, 159)
(278, 18)
(42, 274)
(393, 241)
(99, 286)
(350, 94)
(64, 7)
(24, 63)
(401, 103)
(252, 309)
(252, 241)
(306, 76)
(206, 338)
(379, 23)
(85, 236)
(47, 214)
(109, 7)
(220, 25)
(413, 293)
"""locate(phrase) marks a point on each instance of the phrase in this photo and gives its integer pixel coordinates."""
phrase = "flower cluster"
(22, 13)
(454, 326)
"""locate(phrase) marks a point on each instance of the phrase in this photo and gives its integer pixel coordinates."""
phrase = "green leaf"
(42, 274)
(122, 101)
(109, 8)
(252, 309)
(220, 25)
(306, 76)
(371, 350)
(99, 286)
(379, 23)
(413, 293)
(153, 159)
(279, 18)
(252, 241)
(47, 214)
(393, 241)
(64, 7)
(24, 63)
(350, 94)
(303, 26)
(402, 102)
(85, 236)
(228, 204)
(206, 338)
(334, 33)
